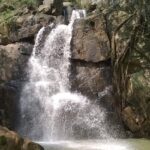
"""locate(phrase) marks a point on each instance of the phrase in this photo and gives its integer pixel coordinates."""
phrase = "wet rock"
(90, 42)
(90, 79)
(10, 140)
(29, 145)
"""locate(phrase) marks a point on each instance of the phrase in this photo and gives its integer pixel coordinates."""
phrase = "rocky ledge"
(10, 140)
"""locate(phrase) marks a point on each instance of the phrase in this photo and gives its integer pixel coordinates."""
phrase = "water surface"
(125, 144)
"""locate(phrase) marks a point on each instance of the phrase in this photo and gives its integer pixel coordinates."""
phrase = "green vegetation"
(10, 8)
(128, 29)
(17, 3)
(3, 140)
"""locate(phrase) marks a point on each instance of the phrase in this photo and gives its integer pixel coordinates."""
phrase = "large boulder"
(10, 140)
(136, 122)
(90, 79)
(90, 42)
(131, 119)
(91, 71)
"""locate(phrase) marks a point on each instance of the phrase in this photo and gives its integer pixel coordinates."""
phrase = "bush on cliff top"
(17, 3)
(10, 8)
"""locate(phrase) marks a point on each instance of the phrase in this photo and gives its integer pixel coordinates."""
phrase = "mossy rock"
(9, 140)
(3, 141)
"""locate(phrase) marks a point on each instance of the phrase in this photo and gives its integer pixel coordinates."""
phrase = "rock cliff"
(91, 61)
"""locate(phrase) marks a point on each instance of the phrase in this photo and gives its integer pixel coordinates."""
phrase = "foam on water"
(89, 145)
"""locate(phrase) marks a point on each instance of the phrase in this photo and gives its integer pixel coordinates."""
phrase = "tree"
(128, 29)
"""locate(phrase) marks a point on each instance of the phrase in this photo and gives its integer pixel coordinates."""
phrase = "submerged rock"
(9, 140)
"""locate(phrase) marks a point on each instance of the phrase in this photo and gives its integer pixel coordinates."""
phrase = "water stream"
(49, 111)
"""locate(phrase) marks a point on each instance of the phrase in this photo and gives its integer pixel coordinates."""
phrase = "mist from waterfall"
(48, 109)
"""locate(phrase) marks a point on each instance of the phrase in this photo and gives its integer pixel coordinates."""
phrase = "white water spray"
(49, 111)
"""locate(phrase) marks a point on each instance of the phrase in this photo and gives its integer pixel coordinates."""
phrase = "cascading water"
(49, 111)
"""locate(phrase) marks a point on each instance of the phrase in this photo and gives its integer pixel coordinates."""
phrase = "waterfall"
(48, 109)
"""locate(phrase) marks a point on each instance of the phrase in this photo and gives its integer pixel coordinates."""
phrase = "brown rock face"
(131, 120)
(90, 42)
(13, 60)
(91, 71)
(90, 79)
(91, 68)
(28, 25)
(10, 140)
(13, 63)
(136, 122)
(24, 28)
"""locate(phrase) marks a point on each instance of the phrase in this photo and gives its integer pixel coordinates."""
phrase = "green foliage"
(140, 81)
(32, 3)
(128, 28)
(139, 96)
(10, 8)
(17, 3)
